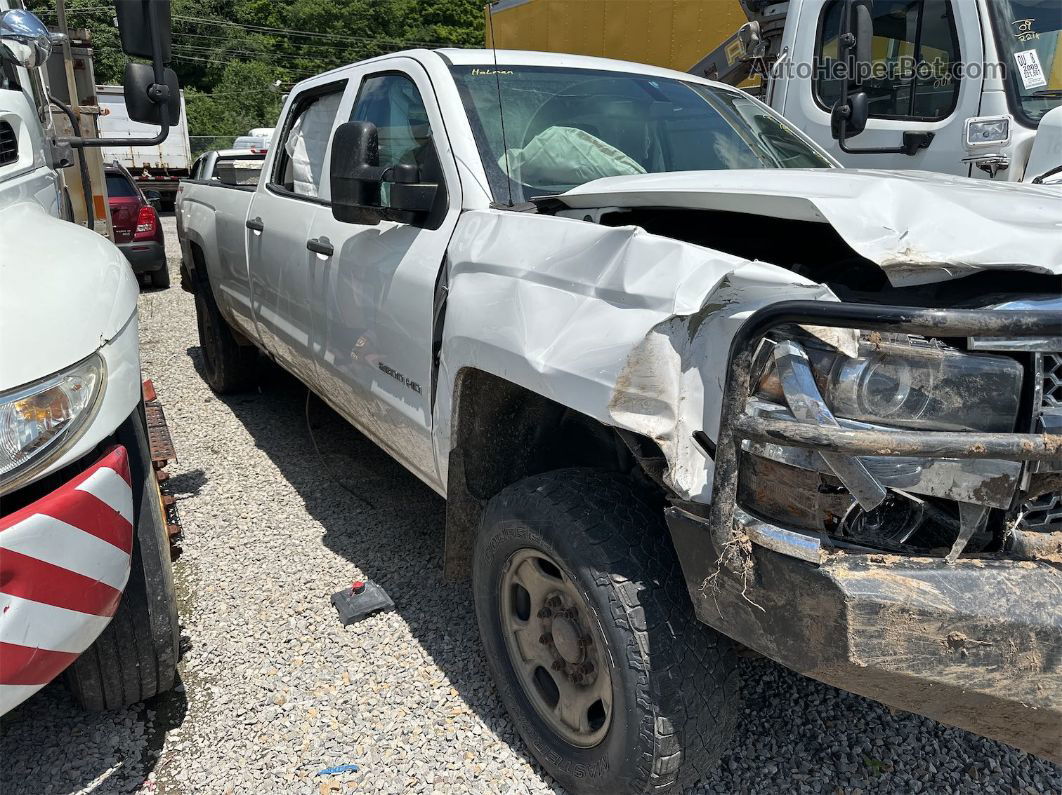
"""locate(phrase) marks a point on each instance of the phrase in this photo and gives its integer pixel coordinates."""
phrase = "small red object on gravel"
(357, 586)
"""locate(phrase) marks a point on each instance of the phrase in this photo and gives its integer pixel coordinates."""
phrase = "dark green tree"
(229, 55)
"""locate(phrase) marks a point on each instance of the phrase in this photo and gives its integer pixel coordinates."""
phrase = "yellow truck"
(967, 87)
(675, 34)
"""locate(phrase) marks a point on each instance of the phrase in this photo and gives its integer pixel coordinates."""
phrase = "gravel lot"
(274, 689)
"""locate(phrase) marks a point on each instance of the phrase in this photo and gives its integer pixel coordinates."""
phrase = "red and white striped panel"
(64, 562)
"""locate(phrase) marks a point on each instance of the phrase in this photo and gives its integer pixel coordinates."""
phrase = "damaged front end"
(885, 515)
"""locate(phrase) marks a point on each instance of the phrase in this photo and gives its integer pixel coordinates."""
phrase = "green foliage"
(236, 58)
(242, 98)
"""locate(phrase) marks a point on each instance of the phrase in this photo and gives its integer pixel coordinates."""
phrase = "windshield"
(565, 127)
(1029, 33)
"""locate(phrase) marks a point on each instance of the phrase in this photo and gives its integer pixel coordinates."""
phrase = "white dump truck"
(160, 167)
(683, 382)
(86, 586)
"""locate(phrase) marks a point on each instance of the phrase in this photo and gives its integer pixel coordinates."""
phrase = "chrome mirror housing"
(24, 39)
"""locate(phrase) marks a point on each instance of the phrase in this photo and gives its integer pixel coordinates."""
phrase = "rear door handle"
(255, 224)
(320, 246)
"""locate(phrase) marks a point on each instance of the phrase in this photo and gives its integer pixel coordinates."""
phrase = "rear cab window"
(298, 168)
(241, 171)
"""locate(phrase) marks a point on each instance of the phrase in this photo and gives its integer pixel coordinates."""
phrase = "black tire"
(161, 277)
(227, 365)
(675, 686)
(135, 657)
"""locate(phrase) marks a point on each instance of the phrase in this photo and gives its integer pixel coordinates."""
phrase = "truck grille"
(8, 144)
(1044, 514)
(1052, 380)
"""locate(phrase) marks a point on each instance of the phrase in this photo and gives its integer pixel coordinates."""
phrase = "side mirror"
(411, 198)
(850, 116)
(23, 39)
(355, 175)
(359, 184)
(154, 198)
(152, 95)
(142, 100)
(136, 27)
(862, 32)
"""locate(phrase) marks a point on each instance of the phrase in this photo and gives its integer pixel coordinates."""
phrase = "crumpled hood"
(64, 292)
(919, 227)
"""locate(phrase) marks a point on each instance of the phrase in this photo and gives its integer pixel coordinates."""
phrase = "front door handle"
(255, 224)
(320, 246)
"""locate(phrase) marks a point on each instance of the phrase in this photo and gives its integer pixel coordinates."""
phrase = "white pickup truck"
(763, 400)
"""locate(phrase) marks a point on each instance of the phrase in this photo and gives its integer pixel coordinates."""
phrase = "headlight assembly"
(40, 420)
(914, 384)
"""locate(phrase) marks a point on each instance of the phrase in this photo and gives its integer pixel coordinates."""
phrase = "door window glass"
(300, 162)
(393, 103)
(915, 53)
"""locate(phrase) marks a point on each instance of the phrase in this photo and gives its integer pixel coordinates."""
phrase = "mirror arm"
(160, 89)
(164, 131)
(913, 141)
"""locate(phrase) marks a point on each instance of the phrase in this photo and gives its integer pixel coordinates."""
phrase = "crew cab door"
(944, 35)
(278, 226)
(375, 294)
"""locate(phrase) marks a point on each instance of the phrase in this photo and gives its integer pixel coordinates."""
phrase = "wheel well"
(196, 269)
(199, 279)
(503, 433)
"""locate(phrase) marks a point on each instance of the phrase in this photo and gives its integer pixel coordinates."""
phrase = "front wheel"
(136, 655)
(590, 636)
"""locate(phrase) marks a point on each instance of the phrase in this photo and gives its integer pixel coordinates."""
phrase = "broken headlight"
(912, 383)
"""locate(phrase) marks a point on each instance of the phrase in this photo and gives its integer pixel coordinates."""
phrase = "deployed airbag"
(566, 156)
(307, 143)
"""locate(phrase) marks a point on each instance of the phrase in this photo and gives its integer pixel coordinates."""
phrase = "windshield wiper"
(1047, 92)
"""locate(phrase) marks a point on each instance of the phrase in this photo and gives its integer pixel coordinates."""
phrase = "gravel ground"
(273, 689)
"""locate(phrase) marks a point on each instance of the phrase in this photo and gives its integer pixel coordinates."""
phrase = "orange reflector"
(101, 208)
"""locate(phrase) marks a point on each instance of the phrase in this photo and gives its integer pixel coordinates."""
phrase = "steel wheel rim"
(556, 648)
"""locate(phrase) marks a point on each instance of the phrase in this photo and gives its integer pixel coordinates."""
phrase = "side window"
(299, 164)
(915, 51)
(393, 103)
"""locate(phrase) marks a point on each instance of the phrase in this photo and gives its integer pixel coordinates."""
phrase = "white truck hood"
(64, 292)
(917, 226)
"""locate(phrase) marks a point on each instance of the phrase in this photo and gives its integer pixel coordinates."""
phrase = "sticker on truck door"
(1032, 73)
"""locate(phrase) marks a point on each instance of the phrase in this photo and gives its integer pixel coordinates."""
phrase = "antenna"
(501, 111)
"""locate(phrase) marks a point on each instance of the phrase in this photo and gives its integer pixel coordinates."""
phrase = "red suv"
(137, 229)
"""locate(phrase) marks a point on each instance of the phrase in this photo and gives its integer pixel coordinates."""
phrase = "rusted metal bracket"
(161, 449)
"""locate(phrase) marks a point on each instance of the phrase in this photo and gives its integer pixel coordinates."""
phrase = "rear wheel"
(227, 365)
(136, 655)
(590, 636)
(161, 277)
